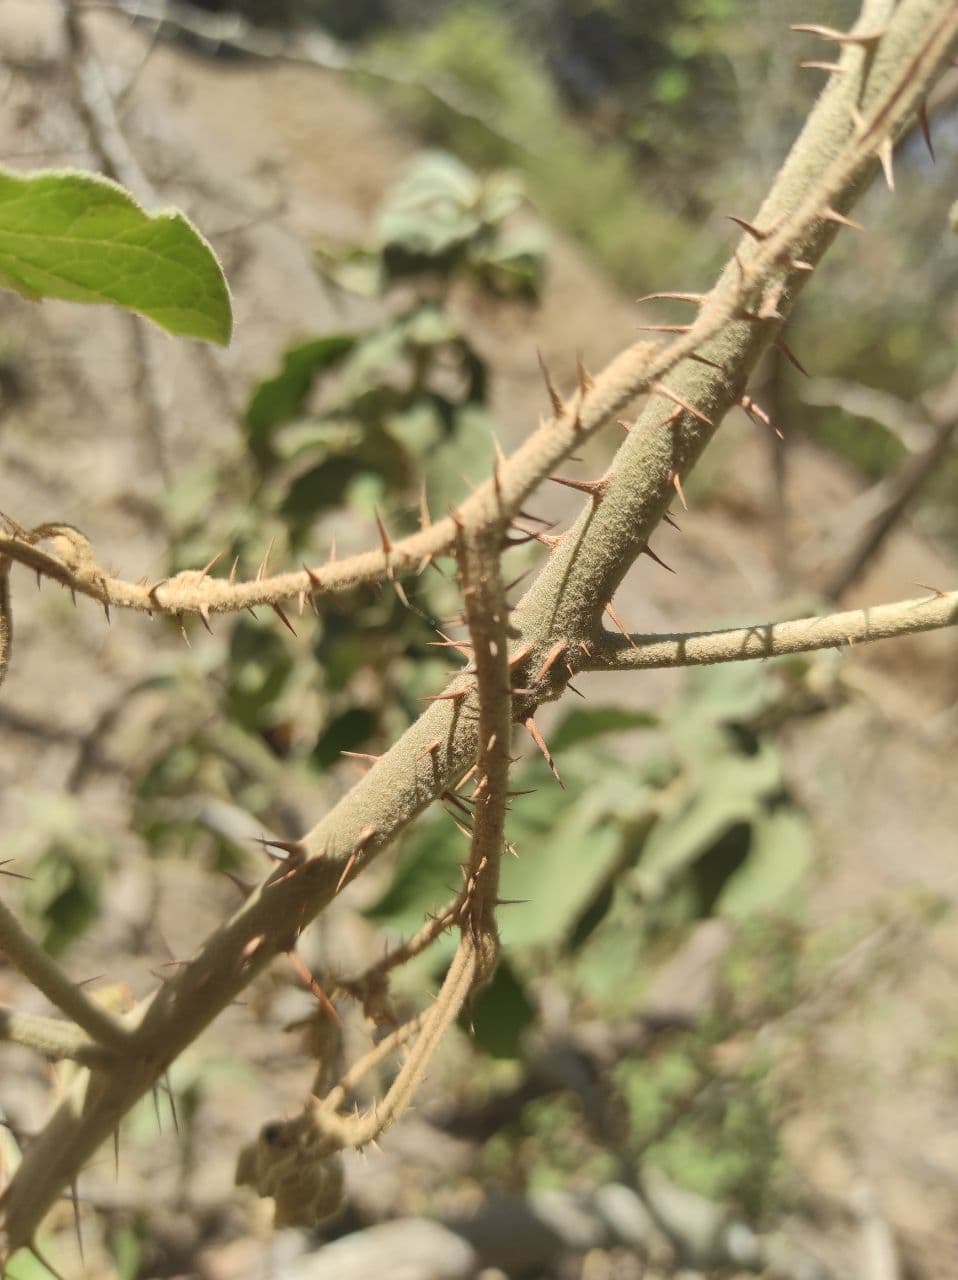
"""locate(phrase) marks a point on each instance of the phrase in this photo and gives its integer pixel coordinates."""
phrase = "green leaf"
(500, 1014)
(580, 726)
(281, 398)
(780, 856)
(81, 237)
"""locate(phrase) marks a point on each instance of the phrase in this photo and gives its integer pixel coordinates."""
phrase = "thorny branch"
(774, 639)
(884, 75)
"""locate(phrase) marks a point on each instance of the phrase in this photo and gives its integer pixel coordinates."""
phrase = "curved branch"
(47, 976)
(774, 639)
(827, 169)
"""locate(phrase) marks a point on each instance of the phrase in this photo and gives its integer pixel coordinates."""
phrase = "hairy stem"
(773, 639)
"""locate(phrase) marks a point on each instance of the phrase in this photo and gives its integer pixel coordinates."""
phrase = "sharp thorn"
(887, 160)
(790, 355)
(660, 389)
(586, 381)
(700, 359)
(697, 298)
(554, 398)
(647, 551)
(551, 658)
(924, 125)
(838, 37)
(425, 520)
(283, 618)
(671, 521)
(665, 328)
(832, 215)
(748, 227)
(295, 850)
(594, 488)
(538, 739)
(233, 568)
(832, 67)
(610, 610)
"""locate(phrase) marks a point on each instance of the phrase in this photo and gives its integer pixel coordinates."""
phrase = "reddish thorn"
(697, 298)
(594, 488)
(647, 551)
(838, 37)
(832, 215)
(425, 519)
(660, 389)
(538, 739)
(586, 381)
(699, 359)
(204, 613)
(621, 422)
(790, 355)
(799, 264)
(209, 564)
(283, 618)
(264, 566)
(665, 328)
(610, 610)
(366, 756)
(551, 658)
(233, 568)
(823, 66)
(554, 398)
(887, 161)
(295, 850)
(677, 483)
(922, 114)
(748, 227)
(451, 695)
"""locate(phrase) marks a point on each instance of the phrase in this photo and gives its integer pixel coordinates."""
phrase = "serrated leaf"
(80, 237)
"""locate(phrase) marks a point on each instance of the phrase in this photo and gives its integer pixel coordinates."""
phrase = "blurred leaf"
(729, 790)
(778, 860)
(500, 1014)
(281, 398)
(425, 878)
(581, 725)
(126, 1248)
(557, 875)
(64, 893)
(347, 732)
(24, 1265)
(80, 237)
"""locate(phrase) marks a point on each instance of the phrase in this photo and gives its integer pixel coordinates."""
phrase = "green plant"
(731, 800)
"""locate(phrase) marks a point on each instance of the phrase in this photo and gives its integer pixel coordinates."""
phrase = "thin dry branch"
(52, 1037)
(46, 975)
(478, 951)
(774, 639)
(829, 165)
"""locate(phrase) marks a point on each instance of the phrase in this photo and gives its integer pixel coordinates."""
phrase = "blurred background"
(723, 1040)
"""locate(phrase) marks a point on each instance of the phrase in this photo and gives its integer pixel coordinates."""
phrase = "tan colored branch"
(829, 166)
(774, 639)
(51, 1037)
(47, 976)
